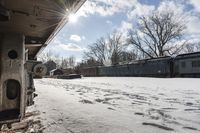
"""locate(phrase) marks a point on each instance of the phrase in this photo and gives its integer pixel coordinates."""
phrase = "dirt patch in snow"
(27, 125)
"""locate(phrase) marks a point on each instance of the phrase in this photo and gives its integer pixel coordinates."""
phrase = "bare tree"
(56, 58)
(64, 63)
(71, 61)
(97, 50)
(88, 63)
(127, 56)
(198, 47)
(106, 49)
(192, 47)
(157, 34)
(45, 56)
(116, 47)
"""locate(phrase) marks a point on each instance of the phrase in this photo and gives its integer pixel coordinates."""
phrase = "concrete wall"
(12, 82)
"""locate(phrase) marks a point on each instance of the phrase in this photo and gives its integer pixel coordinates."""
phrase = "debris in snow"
(27, 125)
(189, 103)
(86, 101)
(111, 108)
(159, 126)
(191, 109)
(138, 113)
(99, 100)
(191, 128)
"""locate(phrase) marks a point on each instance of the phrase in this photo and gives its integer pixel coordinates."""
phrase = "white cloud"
(69, 47)
(196, 4)
(178, 7)
(75, 38)
(105, 7)
(125, 27)
(193, 25)
(140, 10)
(134, 8)
(191, 18)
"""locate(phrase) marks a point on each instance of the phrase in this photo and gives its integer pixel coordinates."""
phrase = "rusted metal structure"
(183, 65)
(26, 28)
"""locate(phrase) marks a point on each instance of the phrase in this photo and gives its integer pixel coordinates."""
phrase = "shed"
(56, 72)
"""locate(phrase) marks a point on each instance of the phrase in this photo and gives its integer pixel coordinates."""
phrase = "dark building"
(51, 65)
(56, 72)
(184, 65)
(68, 71)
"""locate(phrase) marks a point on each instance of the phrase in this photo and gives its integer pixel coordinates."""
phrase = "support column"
(12, 77)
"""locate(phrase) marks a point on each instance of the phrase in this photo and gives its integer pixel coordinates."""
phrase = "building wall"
(186, 65)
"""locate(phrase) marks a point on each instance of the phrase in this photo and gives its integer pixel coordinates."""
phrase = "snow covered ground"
(118, 105)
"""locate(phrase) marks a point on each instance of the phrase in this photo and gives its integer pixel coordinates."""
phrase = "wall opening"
(12, 89)
(12, 54)
(12, 93)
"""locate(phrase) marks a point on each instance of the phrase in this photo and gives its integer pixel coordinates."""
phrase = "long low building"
(184, 65)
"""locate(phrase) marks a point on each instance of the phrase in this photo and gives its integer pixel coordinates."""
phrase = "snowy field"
(118, 105)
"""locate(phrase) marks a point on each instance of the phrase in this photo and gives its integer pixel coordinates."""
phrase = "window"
(183, 64)
(196, 63)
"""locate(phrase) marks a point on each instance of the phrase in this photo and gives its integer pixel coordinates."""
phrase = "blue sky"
(97, 18)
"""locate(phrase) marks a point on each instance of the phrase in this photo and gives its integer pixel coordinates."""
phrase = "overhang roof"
(38, 20)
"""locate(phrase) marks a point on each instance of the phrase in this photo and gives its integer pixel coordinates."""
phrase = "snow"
(118, 105)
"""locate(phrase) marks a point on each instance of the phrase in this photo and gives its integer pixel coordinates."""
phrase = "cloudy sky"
(97, 18)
